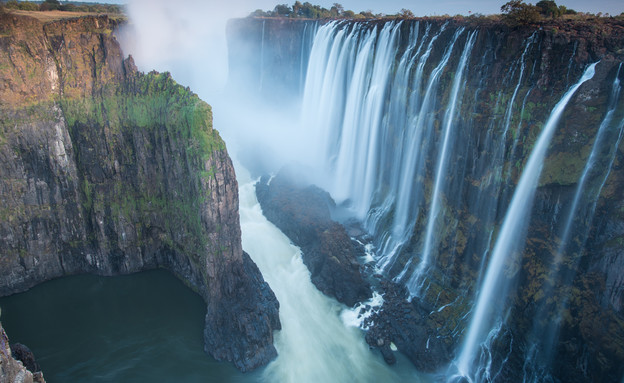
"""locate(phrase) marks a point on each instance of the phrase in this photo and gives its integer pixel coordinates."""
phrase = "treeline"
(513, 12)
(55, 5)
(310, 11)
(517, 11)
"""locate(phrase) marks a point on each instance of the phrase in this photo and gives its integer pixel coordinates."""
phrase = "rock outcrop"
(302, 212)
(107, 170)
(12, 368)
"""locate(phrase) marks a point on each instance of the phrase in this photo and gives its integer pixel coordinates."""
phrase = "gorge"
(457, 184)
(464, 149)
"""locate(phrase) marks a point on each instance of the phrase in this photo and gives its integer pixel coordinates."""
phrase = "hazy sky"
(419, 7)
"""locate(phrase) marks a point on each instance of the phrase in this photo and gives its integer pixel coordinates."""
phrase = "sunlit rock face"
(111, 171)
(423, 129)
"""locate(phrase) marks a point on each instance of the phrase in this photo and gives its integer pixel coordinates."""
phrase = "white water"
(412, 162)
(314, 345)
(511, 234)
(580, 215)
(262, 57)
(589, 166)
(363, 113)
(402, 118)
(414, 284)
(344, 97)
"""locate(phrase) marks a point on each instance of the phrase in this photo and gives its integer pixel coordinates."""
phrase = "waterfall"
(421, 136)
(511, 235)
(262, 57)
(309, 30)
(323, 104)
(419, 130)
(509, 111)
(366, 97)
(402, 191)
(414, 283)
(579, 216)
(345, 92)
(314, 345)
(496, 160)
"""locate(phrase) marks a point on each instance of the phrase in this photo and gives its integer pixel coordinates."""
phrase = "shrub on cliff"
(22, 5)
(50, 5)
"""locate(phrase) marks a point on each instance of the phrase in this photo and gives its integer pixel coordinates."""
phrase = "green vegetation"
(134, 117)
(152, 100)
(55, 5)
(519, 12)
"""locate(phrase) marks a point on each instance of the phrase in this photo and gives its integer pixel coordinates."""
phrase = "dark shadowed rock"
(24, 355)
(239, 312)
(302, 212)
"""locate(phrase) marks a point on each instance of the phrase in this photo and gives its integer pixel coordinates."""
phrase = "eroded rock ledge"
(109, 171)
(302, 212)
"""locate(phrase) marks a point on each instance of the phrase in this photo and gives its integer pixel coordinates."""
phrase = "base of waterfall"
(341, 268)
(303, 213)
(316, 343)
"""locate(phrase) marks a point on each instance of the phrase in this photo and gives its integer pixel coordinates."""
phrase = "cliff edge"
(109, 171)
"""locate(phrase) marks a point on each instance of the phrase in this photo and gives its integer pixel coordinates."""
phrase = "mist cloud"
(188, 39)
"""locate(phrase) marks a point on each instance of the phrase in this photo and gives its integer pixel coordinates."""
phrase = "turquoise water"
(145, 327)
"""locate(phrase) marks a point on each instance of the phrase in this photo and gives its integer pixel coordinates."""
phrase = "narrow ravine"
(314, 344)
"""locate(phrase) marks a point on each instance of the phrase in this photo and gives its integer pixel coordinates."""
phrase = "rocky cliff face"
(515, 77)
(110, 171)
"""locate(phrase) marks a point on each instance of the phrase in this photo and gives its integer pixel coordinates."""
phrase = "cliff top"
(17, 22)
(47, 16)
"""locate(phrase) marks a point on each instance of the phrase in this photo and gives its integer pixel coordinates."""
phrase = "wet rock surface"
(302, 212)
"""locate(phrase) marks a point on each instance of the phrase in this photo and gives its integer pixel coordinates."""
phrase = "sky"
(418, 7)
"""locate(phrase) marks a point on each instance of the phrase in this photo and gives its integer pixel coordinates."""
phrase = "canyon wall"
(427, 146)
(110, 171)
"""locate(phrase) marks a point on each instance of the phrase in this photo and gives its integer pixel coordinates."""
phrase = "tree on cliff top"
(50, 5)
(282, 10)
(548, 8)
(406, 13)
(518, 12)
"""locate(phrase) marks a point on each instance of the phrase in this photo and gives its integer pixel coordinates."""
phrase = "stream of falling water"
(516, 219)
(314, 345)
